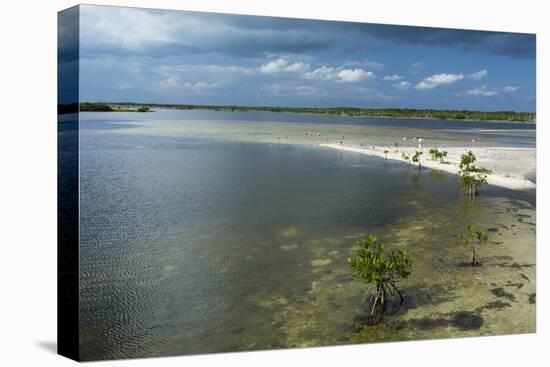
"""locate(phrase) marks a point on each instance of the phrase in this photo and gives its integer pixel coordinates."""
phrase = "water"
(207, 231)
(267, 127)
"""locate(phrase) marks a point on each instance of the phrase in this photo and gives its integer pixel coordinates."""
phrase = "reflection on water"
(202, 237)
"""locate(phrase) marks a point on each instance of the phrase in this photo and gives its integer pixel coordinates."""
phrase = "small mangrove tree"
(472, 238)
(381, 272)
(471, 177)
(438, 154)
(416, 158)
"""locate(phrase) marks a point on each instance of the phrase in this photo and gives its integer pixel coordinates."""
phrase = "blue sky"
(141, 55)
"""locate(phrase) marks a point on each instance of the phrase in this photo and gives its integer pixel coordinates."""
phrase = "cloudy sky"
(130, 54)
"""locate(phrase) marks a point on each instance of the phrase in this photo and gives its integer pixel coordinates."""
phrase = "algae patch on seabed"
(321, 262)
(289, 232)
(289, 247)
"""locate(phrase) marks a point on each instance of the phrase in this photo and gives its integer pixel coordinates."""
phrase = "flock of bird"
(405, 138)
(311, 133)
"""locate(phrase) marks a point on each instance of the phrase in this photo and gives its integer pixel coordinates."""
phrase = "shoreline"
(488, 157)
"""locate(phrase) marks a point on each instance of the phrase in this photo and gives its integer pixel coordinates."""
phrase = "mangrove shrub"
(416, 158)
(471, 177)
(381, 271)
(472, 238)
(438, 154)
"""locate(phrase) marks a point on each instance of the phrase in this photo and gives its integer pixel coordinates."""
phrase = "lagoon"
(205, 231)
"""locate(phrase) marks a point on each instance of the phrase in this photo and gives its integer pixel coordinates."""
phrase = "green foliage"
(438, 154)
(434, 152)
(471, 177)
(373, 267)
(467, 161)
(471, 182)
(405, 156)
(472, 238)
(481, 170)
(467, 164)
(143, 109)
(416, 158)
(386, 154)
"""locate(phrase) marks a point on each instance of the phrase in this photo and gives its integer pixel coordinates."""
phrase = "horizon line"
(303, 107)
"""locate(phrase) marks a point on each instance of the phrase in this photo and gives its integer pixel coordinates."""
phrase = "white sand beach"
(512, 168)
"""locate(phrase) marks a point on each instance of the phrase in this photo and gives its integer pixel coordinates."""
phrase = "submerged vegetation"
(471, 182)
(373, 267)
(510, 116)
(473, 238)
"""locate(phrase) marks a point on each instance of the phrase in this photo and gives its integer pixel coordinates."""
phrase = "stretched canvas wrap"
(236, 183)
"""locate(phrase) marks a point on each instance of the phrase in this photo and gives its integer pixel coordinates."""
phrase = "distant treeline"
(104, 107)
(349, 111)
(95, 107)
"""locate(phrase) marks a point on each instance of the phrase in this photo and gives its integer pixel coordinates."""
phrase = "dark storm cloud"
(498, 43)
(315, 34)
(254, 36)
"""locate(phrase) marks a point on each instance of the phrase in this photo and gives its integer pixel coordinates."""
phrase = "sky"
(160, 56)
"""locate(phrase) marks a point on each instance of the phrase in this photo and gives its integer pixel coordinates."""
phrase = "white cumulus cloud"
(402, 85)
(339, 74)
(478, 75)
(424, 85)
(283, 66)
(322, 73)
(354, 75)
(437, 80)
